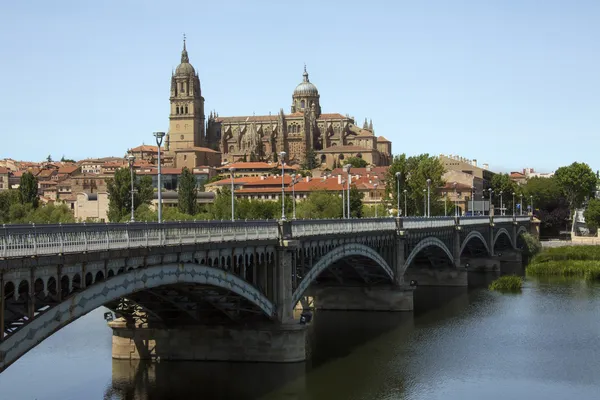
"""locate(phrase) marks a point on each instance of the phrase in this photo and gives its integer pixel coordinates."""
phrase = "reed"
(507, 283)
(570, 253)
(588, 269)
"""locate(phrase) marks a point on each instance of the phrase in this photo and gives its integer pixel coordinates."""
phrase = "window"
(181, 137)
(186, 109)
(302, 104)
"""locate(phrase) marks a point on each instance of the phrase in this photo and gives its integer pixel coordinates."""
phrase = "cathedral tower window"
(186, 109)
(302, 104)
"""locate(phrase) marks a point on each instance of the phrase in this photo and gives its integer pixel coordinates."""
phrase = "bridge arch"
(427, 242)
(521, 230)
(472, 235)
(347, 250)
(501, 231)
(122, 285)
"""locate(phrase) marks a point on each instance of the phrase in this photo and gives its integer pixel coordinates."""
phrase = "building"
(4, 176)
(461, 164)
(194, 139)
(256, 169)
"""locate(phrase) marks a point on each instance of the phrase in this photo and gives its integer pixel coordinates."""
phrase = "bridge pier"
(359, 298)
(279, 343)
(429, 276)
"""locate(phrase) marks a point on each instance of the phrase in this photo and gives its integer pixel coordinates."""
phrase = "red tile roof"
(4, 170)
(145, 148)
(379, 171)
(382, 139)
(67, 169)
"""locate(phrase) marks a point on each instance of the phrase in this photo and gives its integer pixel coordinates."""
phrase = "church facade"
(195, 140)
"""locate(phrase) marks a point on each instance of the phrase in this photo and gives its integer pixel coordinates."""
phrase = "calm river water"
(459, 344)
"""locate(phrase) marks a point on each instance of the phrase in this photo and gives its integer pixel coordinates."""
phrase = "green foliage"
(581, 253)
(586, 269)
(507, 283)
(577, 182)
(244, 159)
(187, 192)
(503, 183)
(550, 204)
(532, 245)
(28, 186)
(215, 179)
(221, 207)
(253, 157)
(356, 204)
(310, 160)
(49, 158)
(592, 215)
(119, 193)
(368, 211)
(355, 162)
(320, 205)
(414, 172)
(51, 214)
(63, 159)
(7, 199)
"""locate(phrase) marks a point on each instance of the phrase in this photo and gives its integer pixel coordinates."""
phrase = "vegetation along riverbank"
(583, 261)
(507, 283)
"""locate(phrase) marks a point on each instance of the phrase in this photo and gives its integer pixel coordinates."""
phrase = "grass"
(574, 261)
(507, 283)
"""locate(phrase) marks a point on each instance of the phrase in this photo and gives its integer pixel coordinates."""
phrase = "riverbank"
(581, 261)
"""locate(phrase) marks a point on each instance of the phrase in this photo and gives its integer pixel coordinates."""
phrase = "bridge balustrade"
(424, 222)
(304, 228)
(504, 219)
(37, 240)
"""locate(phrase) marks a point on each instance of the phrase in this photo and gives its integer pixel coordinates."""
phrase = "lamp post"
(294, 196)
(455, 201)
(349, 182)
(521, 208)
(531, 202)
(501, 206)
(282, 158)
(343, 199)
(472, 201)
(424, 203)
(405, 204)
(159, 138)
(131, 160)
(445, 202)
(491, 201)
(232, 170)
(398, 175)
(428, 197)
(376, 203)
(514, 205)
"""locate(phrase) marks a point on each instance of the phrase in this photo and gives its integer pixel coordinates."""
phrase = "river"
(458, 344)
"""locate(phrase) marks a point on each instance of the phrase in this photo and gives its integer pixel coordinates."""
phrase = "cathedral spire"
(184, 53)
(305, 75)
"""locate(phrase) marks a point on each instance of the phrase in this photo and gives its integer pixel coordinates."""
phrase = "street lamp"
(282, 158)
(376, 203)
(294, 196)
(521, 211)
(343, 199)
(232, 170)
(428, 197)
(405, 204)
(455, 201)
(424, 203)
(491, 201)
(501, 206)
(159, 138)
(349, 182)
(531, 198)
(398, 175)
(514, 205)
(472, 201)
(445, 204)
(131, 160)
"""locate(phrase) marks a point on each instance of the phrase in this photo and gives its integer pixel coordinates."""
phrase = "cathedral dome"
(185, 68)
(306, 88)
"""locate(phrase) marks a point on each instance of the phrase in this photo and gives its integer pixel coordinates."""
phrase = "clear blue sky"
(515, 83)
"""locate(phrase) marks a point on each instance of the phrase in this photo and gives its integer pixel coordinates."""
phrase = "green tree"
(187, 192)
(28, 187)
(503, 183)
(355, 162)
(220, 209)
(577, 182)
(49, 158)
(356, 204)
(119, 193)
(253, 157)
(413, 174)
(592, 215)
(320, 205)
(310, 160)
(244, 159)
(7, 199)
(63, 159)
(551, 206)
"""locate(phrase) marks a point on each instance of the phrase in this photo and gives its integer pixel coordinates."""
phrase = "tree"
(577, 182)
(119, 193)
(320, 205)
(7, 199)
(244, 159)
(28, 187)
(63, 159)
(356, 204)
(503, 183)
(187, 192)
(592, 215)
(355, 162)
(253, 157)
(49, 158)
(310, 160)
(413, 174)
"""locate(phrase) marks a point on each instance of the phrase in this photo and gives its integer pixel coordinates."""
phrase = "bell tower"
(186, 120)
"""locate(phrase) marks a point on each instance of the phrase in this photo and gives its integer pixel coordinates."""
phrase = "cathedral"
(194, 140)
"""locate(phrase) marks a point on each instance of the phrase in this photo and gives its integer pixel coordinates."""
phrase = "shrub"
(508, 283)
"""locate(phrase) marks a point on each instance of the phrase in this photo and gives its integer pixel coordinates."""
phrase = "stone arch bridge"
(196, 290)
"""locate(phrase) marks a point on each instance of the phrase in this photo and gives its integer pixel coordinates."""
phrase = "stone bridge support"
(361, 298)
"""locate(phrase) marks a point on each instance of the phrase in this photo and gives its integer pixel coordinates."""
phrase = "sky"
(511, 83)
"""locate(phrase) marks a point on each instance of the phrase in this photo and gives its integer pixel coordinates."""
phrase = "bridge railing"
(303, 228)
(424, 222)
(503, 219)
(36, 240)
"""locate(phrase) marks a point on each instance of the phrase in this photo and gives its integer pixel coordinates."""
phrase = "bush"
(508, 283)
(532, 245)
(586, 269)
